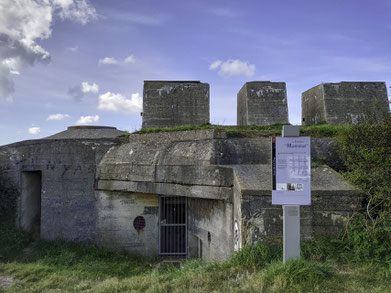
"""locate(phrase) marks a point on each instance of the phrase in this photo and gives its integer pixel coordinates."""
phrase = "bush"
(366, 152)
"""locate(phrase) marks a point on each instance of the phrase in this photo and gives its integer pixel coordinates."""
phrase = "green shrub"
(366, 152)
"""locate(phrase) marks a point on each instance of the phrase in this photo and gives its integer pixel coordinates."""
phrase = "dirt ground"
(6, 281)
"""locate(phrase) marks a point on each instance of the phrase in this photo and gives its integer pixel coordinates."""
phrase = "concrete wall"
(93, 189)
(333, 202)
(344, 102)
(68, 180)
(262, 103)
(211, 221)
(174, 103)
(313, 106)
(116, 213)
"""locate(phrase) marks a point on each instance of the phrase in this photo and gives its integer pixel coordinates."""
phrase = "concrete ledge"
(194, 191)
(256, 180)
(187, 175)
(166, 137)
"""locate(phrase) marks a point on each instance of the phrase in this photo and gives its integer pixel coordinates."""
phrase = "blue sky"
(92, 57)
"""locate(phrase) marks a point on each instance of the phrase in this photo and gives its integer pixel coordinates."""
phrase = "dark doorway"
(31, 202)
(173, 226)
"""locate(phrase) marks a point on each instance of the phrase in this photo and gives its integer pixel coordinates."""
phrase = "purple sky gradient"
(302, 43)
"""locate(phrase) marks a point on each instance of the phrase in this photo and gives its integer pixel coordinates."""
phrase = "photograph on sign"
(291, 163)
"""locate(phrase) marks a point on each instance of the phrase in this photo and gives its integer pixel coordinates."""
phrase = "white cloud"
(34, 130)
(57, 116)
(88, 120)
(116, 102)
(89, 88)
(78, 91)
(113, 61)
(233, 67)
(215, 64)
(108, 60)
(76, 10)
(22, 23)
(130, 59)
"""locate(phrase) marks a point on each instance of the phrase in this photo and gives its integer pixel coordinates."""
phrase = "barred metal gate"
(172, 226)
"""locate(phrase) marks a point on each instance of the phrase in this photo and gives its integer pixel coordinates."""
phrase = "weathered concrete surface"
(211, 222)
(333, 202)
(233, 178)
(174, 103)
(344, 102)
(116, 213)
(262, 103)
(167, 137)
(93, 189)
(192, 191)
(68, 178)
(87, 132)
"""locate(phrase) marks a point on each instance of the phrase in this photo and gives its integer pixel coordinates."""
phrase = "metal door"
(172, 226)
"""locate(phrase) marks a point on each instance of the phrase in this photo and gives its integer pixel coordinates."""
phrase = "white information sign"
(291, 159)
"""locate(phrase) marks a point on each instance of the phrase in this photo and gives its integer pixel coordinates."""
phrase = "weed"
(256, 256)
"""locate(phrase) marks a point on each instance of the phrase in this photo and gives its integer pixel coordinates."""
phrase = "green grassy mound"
(321, 130)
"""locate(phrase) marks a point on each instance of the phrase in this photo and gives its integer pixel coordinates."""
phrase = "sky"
(80, 62)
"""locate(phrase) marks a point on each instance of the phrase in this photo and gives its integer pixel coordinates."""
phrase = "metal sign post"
(291, 171)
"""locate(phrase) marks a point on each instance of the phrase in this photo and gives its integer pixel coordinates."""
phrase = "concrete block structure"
(185, 193)
(344, 102)
(175, 103)
(262, 103)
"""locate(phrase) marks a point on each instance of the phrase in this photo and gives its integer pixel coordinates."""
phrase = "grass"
(57, 266)
(12, 240)
(321, 130)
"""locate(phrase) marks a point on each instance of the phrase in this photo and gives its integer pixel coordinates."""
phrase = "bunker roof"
(87, 132)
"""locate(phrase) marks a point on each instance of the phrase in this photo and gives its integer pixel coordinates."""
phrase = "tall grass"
(65, 267)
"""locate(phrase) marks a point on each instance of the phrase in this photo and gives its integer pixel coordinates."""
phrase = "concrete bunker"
(262, 103)
(174, 103)
(192, 193)
(344, 102)
(188, 193)
(30, 219)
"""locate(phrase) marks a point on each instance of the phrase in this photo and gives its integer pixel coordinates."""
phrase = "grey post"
(291, 214)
